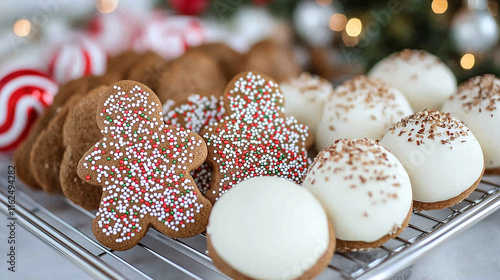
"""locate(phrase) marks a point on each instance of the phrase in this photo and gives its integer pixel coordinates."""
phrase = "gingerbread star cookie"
(255, 138)
(143, 167)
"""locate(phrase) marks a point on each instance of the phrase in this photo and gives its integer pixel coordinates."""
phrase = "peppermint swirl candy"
(24, 94)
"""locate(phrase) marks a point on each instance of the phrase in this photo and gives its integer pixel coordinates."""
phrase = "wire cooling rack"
(66, 228)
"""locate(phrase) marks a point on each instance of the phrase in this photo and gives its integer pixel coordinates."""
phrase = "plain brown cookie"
(122, 63)
(48, 149)
(22, 153)
(75, 189)
(255, 138)
(419, 206)
(230, 61)
(80, 133)
(310, 274)
(148, 71)
(143, 167)
(192, 73)
(80, 130)
(272, 59)
(356, 246)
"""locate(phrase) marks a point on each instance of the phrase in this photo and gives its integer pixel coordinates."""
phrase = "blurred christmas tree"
(463, 34)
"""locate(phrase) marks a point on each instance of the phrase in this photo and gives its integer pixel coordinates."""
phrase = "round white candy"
(360, 108)
(269, 228)
(441, 155)
(363, 187)
(424, 79)
(305, 97)
(476, 103)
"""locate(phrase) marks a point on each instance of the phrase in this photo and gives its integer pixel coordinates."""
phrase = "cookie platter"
(65, 228)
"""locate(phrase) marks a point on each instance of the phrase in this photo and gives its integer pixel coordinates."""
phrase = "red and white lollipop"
(170, 36)
(77, 58)
(24, 94)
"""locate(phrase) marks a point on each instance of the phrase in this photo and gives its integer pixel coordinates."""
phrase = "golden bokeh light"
(22, 27)
(467, 61)
(354, 27)
(337, 22)
(106, 6)
(439, 6)
(349, 41)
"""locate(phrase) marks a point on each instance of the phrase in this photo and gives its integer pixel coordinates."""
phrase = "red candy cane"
(24, 94)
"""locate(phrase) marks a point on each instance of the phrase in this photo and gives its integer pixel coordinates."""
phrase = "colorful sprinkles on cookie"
(144, 168)
(255, 138)
(198, 113)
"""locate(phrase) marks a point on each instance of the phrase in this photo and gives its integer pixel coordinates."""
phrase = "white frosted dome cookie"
(365, 191)
(360, 108)
(441, 155)
(476, 103)
(269, 228)
(305, 96)
(422, 77)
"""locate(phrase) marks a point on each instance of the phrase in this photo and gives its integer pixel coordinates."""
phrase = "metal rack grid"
(66, 228)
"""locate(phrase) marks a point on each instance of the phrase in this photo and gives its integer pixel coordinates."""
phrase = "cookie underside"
(314, 271)
(419, 206)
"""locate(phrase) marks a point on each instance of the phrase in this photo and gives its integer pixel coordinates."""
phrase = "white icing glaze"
(475, 103)
(360, 108)
(305, 96)
(442, 156)
(269, 228)
(424, 79)
(363, 187)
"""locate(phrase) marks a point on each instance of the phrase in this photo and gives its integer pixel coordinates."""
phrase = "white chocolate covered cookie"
(422, 77)
(441, 155)
(360, 108)
(365, 191)
(476, 103)
(305, 97)
(269, 228)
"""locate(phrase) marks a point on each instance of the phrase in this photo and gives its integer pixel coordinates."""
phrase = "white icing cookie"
(424, 79)
(269, 228)
(360, 108)
(364, 189)
(441, 155)
(475, 103)
(305, 96)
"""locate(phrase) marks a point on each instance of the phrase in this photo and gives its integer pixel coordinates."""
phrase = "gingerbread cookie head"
(255, 137)
(143, 167)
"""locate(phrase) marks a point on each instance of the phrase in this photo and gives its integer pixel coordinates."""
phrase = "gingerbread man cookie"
(143, 167)
(255, 138)
(197, 113)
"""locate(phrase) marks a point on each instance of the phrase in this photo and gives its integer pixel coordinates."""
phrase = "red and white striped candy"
(170, 36)
(114, 32)
(24, 94)
(77, 58)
